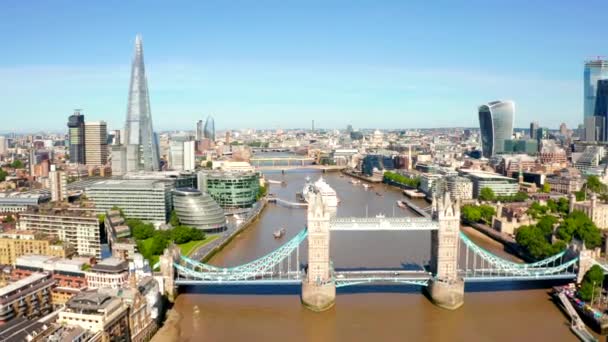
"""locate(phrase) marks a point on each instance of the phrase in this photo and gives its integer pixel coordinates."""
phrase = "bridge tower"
(167, 270)
(318, 287)
(446, 288)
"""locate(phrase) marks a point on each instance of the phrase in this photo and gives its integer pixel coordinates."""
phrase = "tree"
(17, 164)
(209, 164)
(578, 225)
(262, 192)
(3, 175)
(158, 245)
(487, 211)
(594, 184)
(487, 194)
(546, 188)
(580, 195)
(173, 219)
(591, 283)
(470, 213)
(140, 230)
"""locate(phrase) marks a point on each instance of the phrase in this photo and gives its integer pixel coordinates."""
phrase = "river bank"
(170, 330)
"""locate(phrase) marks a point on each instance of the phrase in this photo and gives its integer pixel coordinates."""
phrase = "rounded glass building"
(197, 209)
(232, 189)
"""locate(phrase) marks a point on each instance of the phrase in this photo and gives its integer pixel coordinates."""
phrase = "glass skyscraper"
(496, 126)
(141, 144)
(210, 129)
(594, 71)
(76, 135)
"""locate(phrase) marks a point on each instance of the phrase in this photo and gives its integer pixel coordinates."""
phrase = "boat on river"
(279, 233)
(401, 204)
(329, 195)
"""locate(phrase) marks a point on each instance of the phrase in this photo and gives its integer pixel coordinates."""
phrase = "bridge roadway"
(299, 167)
(382, 223)
(347, 278)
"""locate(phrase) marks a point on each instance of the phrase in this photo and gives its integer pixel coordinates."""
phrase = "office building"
(197, 209)
(77, 227)
(590, 158)
(595, 128)
(111, 272)
(566, 181)
(231, 189)
(97, 312)
(501, 185)
(96, 143)
(533, 127)
(58, 185)
(460, 188)
(210, 129)
(3, 145)
(200, 133)
(19, 202)
(376, 162)
(182, 155)
(496, 126)
(145, 199)
(29, 297)
(528, 146)
(15, 243)
(140, 145)
(595, 70)
(601, 107)
(76, 136)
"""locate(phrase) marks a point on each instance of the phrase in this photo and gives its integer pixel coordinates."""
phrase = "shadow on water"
(281, 290)
(512, 285)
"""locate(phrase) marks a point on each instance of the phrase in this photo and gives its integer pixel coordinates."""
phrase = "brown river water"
(505, 312)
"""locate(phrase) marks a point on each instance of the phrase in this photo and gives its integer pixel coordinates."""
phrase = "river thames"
(372, 313)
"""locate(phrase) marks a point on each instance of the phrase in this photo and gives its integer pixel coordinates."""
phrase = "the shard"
(140, 142)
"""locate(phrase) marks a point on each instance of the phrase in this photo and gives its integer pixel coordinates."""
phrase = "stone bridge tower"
(318, 287)
(446, 288)
(167, 270)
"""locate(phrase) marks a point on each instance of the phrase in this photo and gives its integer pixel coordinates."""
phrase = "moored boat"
(401, 204)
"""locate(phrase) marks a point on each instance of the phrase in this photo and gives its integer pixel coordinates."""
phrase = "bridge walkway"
(577, 326)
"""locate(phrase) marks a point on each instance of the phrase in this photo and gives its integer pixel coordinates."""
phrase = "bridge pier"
(318, 287)
(446, 288)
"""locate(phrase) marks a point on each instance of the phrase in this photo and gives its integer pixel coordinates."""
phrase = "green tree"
(140, 230)
(591, 283)
(17, 164)
(209, 164)
(3, 175)
(173, 219)
(487, 211)
(471, 213)
(487, 194)
(580, 195)
(594, 184)
(158, 245)
(578, 225)
(546, 188)
(262, 190)
(545, 224)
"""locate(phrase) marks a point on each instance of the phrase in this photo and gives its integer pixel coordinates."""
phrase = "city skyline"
(390, 71)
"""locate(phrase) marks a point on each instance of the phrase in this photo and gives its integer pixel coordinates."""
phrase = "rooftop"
(127, 184)
(110, 265)
(34, 277)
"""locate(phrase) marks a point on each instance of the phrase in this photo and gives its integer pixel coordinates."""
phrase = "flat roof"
(34, 277)
(122, 184)
(485, 174)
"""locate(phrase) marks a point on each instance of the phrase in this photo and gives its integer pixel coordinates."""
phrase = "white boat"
(279, 233)
(366, 186)
(354, 181)
(328, 194)
(401, 204)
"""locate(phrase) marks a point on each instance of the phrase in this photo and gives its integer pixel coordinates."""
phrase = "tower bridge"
(455, 259)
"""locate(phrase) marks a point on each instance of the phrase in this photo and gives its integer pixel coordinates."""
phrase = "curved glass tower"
(210, 129)
(496, 126)
(142, 147)
(594, 71)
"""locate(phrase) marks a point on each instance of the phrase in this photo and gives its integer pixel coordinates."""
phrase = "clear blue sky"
(282, 63)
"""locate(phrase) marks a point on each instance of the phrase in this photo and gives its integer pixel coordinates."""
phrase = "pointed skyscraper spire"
(139, 133)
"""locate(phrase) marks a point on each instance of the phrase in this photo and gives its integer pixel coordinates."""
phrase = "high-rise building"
(58, 185)
(200, 134)
(140, 144)
(2, 145)
(76, 134)
(601, 105)
(533, 128)
(181, 155)
(594, 128)
(96, 143)
(496, 126)
(595, 70)
(563, 129)
(210, 129)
